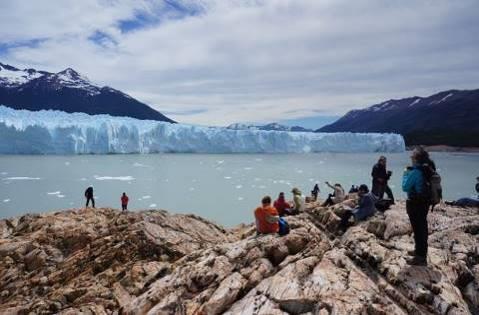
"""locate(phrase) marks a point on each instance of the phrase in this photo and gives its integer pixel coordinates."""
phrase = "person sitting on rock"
(124, 202)
(467, 202)
(298, 201)
(315, 192)
(363, 210)
(336, 197)
(89, 196)
(281, 205)
(267, 217)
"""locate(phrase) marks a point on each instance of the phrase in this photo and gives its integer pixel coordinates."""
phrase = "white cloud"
(254, 60)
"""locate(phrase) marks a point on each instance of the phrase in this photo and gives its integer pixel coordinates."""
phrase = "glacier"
(56, 132)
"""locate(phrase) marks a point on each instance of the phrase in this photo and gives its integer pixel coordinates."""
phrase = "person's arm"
(329, 185)
(272, 218)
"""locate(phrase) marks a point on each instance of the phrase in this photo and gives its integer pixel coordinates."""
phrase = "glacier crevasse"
(56, 132)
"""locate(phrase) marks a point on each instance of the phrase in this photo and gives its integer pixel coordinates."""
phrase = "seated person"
(282, 206)
(337, 197)
(467, 202)
(363, 210)
(266, 217)
(298, 201)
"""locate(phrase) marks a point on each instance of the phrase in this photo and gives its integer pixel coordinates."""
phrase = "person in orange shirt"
(124, 202)
(267, 217)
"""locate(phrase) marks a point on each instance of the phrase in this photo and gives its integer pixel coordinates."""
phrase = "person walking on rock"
(315, 192)
(266, 217)
(380, 179)
(415, 184)
(89, 196)
(124, 202)
(336, 197)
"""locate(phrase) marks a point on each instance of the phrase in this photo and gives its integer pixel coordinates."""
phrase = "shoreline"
(445, 148)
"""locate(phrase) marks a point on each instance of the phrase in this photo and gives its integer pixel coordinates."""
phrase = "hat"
(364, 188)
(296, 190)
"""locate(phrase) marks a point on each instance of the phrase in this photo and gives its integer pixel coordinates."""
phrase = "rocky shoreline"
(102, 261)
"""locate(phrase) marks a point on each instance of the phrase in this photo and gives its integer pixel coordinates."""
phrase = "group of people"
(420, 181)
(89, 197)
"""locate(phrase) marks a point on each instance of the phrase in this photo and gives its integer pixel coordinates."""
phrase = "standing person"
(266, 217)
(380, 179)
(336, 197)
(298, 201)
(281, 205)
(315, 192)
(124, 202)
(89, 196)
(415, 184)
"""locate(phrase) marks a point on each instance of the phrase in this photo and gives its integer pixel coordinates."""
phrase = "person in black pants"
(89, 196)
(380, 179)
(417, 204)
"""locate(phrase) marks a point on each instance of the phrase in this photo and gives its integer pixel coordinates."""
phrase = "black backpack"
(432, 191)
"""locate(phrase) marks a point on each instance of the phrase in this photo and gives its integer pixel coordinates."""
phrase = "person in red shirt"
(282, 205)
(124, 202)
(266, 217)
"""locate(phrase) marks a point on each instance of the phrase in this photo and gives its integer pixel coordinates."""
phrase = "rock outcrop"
(104, 261)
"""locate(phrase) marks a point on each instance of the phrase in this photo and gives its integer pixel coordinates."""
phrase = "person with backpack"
(380, 179)
(281, 205)
(315, 192)
(467, 202)
(124, 202)
(336, 197)
(267, 217)
(89, 196)
(416, 183)
(365, 208)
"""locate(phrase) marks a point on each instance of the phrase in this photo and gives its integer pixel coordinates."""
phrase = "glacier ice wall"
(55, 132)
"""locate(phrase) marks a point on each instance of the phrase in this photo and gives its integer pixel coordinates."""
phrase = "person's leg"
(328, 201)
(389, 192)
(345, 219)
(412, 214)
(87, 202)
(93, 202)
(422, 230)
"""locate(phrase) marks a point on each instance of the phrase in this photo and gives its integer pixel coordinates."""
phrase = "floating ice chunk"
(22, 178)
(136, 164)
(153, 205)
(239, 186)
(240, 198)
(53, 193)
(61, 196)
(227, 177)
(146, 197)
(6, 200)
(121, 178)
(247, 168)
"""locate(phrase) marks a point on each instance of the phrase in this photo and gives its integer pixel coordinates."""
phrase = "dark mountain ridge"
(445, 118)
(67, 91)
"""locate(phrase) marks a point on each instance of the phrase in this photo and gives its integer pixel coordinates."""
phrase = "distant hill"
(67, 91)
(448, 118)
(270, 127)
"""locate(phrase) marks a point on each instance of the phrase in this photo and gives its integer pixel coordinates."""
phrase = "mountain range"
(67, 91)
(446, 118)
(269, 127)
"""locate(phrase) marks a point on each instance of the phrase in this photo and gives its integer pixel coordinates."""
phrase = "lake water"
(224, 188)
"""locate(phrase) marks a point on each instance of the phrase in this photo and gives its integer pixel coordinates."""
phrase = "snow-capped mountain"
(55, 132)
(67, 91)
(268, 127)
(449, 118)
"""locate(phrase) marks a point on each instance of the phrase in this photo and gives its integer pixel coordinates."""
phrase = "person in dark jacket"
(467, 202)
(89, 196)
(380, 179)
(315, 192)
(417, 203)
(364, 209)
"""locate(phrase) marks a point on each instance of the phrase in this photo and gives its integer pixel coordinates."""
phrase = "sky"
(216, 62)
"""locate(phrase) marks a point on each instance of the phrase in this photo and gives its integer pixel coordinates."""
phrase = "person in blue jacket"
(366, 207)
(417, 203)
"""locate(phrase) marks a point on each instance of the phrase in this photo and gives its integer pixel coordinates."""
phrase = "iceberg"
(56, 132)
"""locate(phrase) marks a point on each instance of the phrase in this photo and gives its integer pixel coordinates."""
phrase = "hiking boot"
(417, 261)
(411, 253)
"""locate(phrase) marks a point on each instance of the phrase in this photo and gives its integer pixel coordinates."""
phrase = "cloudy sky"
(215, 62)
